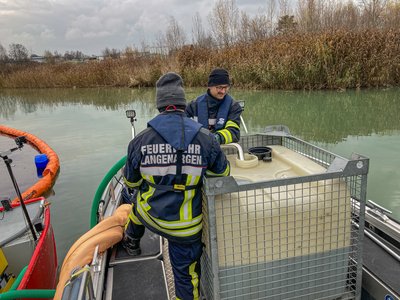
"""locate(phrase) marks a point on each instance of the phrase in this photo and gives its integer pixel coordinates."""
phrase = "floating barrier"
(50, 172)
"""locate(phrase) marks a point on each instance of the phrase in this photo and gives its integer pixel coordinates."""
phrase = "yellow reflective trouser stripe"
(132, 218)
(195, 280)
(143, 198)
(178, 224)
(226, 134)
(179, 232)
(186, 207)
(225, 173)
(132, 184)
(231, 124)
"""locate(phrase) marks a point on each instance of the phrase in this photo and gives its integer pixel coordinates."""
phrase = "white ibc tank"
(282, 222)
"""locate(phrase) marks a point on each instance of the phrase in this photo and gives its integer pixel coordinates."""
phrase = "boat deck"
(138, 277)
(381, 264)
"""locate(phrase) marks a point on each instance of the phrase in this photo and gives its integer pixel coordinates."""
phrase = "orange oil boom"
(51, 170)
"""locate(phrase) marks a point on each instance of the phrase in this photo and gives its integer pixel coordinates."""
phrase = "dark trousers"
(185, 261)
(134, 227)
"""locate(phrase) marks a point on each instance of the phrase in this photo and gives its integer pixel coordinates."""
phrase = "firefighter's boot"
(131, 245)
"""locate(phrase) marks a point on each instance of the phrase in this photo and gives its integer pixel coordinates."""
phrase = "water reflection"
(326, 116)
(29, 101)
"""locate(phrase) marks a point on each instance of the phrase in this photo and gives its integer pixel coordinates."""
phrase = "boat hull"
(42, 268)
(40, 257)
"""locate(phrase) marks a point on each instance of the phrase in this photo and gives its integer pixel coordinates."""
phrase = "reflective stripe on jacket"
(223, 118)
(152, 166)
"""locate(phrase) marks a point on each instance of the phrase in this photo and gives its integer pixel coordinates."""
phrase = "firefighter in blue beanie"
(165, 164)
(216, 110)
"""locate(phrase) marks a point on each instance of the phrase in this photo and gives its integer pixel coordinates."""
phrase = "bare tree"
(198, 33)
(372, 12)
(243, 34)
(284, 7)
(253, 29)
(3, 54)
(309, 15)
(259, 28)
(392, 14)
(144, 46)
(271, 15)
(110, 53)
(18, 52)
(159, 44)
(347, 16)
(224, 21)
(175, 37)
(326, 14)
(130, 52)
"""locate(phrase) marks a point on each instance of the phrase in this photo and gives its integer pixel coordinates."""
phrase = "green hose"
(13, 293)
(19, 278)
(100, 190)
(39, 294)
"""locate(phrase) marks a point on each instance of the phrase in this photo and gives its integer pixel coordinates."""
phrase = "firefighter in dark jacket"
(165, 164)
(216, 110)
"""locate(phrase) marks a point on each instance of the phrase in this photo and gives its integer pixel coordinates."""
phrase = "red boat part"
(42, 269)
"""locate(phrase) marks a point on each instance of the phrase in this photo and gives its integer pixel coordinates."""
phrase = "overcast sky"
(92, 25)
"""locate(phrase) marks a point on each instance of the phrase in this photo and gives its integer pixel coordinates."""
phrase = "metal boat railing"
(102, 187)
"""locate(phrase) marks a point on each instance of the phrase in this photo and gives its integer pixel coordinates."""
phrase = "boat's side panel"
(42, 269)
(381, 271)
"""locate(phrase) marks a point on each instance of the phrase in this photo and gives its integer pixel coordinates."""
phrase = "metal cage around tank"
(287, 238)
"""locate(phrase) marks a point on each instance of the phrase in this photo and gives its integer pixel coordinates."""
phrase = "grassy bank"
(330, 60)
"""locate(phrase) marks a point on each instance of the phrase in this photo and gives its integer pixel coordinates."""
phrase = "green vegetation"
(321, 45)
(329, 60)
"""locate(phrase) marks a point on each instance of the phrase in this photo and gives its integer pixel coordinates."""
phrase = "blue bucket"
(41, 161)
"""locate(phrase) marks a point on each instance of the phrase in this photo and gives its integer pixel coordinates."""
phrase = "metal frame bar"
(352, 171)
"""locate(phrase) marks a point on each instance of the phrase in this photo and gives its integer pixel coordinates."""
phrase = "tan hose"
(105, 234)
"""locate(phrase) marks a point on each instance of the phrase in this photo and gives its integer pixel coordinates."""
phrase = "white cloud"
(92, 25)
(47, 34)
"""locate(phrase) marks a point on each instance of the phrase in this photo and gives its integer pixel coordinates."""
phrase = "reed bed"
(329, 60)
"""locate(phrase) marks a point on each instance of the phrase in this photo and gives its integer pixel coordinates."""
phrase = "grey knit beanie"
(169, 91)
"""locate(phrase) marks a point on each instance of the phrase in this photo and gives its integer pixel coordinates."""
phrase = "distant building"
(37, 58)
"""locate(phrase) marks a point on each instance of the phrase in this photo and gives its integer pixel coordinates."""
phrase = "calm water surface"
(89, 131)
